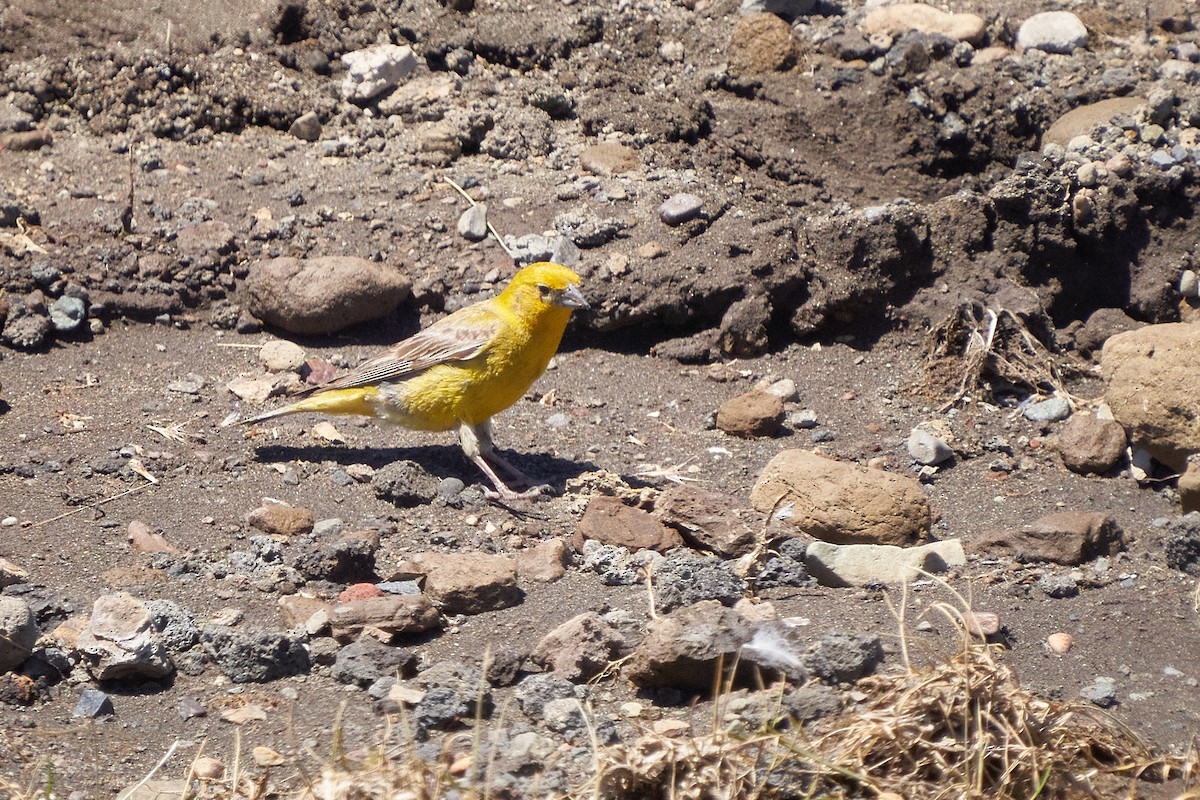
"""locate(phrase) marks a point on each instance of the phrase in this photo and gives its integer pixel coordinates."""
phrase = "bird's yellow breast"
(472, 391)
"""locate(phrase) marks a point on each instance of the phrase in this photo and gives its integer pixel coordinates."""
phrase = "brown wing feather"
(458, 337)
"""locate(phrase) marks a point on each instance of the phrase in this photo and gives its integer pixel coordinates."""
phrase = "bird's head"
(547, 285)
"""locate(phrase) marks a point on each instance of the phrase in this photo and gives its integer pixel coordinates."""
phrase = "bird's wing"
(458, 337)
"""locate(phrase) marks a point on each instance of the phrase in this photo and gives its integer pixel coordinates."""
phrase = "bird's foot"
(506, 494)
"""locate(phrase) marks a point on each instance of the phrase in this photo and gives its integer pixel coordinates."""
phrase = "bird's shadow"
(441, 461)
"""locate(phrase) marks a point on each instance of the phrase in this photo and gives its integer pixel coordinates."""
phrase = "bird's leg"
(476, 442)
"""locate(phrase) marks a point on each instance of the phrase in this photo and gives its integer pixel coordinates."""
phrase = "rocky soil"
(880, 294)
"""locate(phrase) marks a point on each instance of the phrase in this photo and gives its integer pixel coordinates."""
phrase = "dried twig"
(490, 227)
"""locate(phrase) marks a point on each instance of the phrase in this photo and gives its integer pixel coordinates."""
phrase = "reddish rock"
(842, 503)
(545, 563)
(391, 613)
(1089, 445)
(324, 294)
(276, 519)
(708, 520)
(359, 591)
(580, 648)
(761, 43)
(1066, 537)
(1189, 487)
(750, 415)
(609, 521)
(467, 583)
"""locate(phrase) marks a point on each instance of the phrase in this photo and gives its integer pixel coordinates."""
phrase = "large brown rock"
(900, 18)
(709, 520)
(580, 648)
(393, 614)
(1089, 445)
(1065, 537)
(609, 521)
(323, 295)
(752, 414)
(761, 43)
(686, 648)
(467, 583)
(842, 503)
(1154, 389)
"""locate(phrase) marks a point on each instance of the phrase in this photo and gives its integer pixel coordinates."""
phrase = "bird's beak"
(571, 297)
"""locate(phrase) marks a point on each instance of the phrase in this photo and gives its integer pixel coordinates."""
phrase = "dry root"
(977, 346)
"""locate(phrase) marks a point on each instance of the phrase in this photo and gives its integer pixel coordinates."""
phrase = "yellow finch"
(463, 369)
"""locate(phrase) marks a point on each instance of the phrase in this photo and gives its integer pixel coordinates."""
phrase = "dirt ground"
(167, 116)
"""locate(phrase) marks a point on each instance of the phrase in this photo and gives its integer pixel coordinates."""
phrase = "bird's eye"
(543, 290)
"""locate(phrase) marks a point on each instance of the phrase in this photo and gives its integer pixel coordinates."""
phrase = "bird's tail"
(357, 400)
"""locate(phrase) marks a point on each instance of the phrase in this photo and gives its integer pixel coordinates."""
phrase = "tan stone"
(840, 502)
(277, 519)
(545, 563)
(468, 583)
(1081, 120)
(394, 614)
(751, 414)
(1154, 389)
(761, 43)
(898, 19)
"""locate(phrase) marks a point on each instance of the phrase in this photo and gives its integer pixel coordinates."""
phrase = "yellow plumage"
(463, 369)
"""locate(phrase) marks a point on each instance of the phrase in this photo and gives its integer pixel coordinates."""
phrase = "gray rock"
(307, 126)
(536, 691)
(93, 704)
(1182, 543)
(1053, 410)
(254, 656)
(680, 208)
(615, 565)
(565, 252)
(785, 567)
(405, 484)
(565, 717)
(1053, 32)
(844, 657)
(925, 448)
(174, 625)
(1102, 692)
(682, 579)
(349, 559)
(454, 691)
(472, 224)
(119, 641)
(861, 564)
(1058, 586)
(376, 69)
(683, 649)
(67, 314)
(18, 632)
(363, 662)
(788, 9)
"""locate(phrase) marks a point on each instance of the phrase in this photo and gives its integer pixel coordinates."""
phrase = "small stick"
(490, 227)
(96, 504)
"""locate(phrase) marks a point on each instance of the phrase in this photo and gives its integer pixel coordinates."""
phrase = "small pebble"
(472, 225)
(680, 208)
(92, 704)
(1058, 643)
(1055, 409)
(925, 448)
(983, 623)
